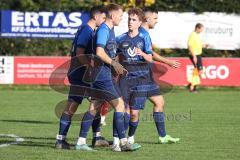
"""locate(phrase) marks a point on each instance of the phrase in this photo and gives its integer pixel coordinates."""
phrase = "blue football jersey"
(83, 39)
(135, 64)
(138, 84)
(139, 41)
(145, 34)
(105, 38)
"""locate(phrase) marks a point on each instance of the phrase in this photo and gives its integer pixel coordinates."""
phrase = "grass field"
(208, 124)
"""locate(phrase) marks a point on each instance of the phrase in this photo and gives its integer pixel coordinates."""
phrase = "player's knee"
(71, 108)
(159, 105)
(93, 108)
(134, 116)
(118, 105)
(92, 111)
(69, 113)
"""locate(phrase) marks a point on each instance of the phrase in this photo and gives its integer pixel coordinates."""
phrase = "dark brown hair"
(95, 10)
(138, 12)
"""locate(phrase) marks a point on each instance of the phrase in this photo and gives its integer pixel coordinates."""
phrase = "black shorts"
(199, 62)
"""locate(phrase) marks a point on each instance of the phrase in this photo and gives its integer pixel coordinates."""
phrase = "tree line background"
(61, 47)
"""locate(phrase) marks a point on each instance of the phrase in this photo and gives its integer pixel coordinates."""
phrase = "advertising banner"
(218, 71)
(38, 70)
(221, 30)
(41, 24)
(6, 70)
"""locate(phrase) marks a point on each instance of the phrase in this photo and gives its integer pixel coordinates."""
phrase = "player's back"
(83, 39)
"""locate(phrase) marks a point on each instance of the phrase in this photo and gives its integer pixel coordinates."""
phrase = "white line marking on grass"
(17, 139)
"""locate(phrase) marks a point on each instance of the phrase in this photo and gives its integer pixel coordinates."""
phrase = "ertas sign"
(41, 24)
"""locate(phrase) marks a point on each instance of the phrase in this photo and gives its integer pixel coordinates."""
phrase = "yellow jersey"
(195, 42)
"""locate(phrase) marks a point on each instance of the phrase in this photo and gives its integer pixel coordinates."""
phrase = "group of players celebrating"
(116, 70)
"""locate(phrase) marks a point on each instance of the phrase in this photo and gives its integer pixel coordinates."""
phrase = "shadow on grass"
(155, 143)
(29, 121)
(39, 138)
(31, 141)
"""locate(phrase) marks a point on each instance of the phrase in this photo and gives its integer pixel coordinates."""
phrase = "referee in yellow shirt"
(195, 46)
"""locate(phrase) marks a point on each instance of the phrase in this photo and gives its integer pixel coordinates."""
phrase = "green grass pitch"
(208, 124)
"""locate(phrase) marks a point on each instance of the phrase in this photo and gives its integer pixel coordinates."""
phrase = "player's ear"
(112, 15)
(95, 17)
(146, 19)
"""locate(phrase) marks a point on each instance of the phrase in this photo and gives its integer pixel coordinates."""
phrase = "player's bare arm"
(105, 58)
(147, 57)
(172, 63)
(82, 58)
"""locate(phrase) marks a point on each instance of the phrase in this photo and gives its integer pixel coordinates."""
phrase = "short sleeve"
(191, 40)
(84, 37)
(102, 37)
(118, 39)
(147, 44)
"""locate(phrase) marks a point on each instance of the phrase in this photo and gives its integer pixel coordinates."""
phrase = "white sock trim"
(60, 137)
(97, 134)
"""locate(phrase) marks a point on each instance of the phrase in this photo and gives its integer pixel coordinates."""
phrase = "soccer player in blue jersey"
(139, 85)
(82, 45)
(136, 59)
(106, 47)
(157, 99)
(151, 19)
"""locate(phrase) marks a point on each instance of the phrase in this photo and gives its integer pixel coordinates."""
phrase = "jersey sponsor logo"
(131, 52)
(140, 45)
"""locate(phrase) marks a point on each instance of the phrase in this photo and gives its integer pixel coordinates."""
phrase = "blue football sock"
(160, 124)
(96, 126)
(119, 124)
(126, 124)
(115, 132)
(132, 128)
(65, 122)
(86, 124)
(96, 123)
(126, 121)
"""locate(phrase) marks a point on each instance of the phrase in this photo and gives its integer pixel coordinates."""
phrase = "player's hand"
(119, 68)
(147, 57)
(139, 52)
(174, 64)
